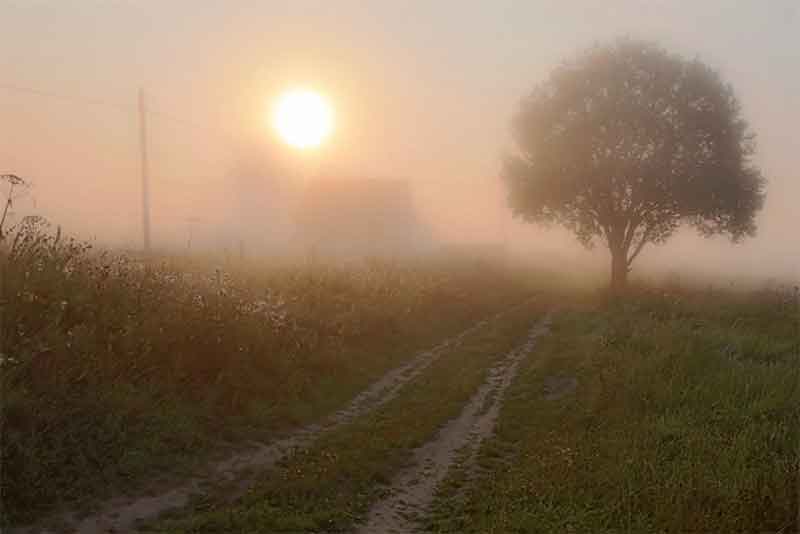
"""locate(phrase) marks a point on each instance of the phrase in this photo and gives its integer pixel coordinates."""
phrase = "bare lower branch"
(639, 246)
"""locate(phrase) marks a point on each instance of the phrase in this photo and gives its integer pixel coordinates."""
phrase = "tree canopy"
(625, 143)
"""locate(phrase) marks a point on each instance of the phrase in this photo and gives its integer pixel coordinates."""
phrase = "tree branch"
(630, 230)
(639, 246)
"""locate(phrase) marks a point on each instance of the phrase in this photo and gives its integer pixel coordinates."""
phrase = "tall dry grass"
(114, 367)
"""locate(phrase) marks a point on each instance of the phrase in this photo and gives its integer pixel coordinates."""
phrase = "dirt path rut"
(122, 514)
(413, 490)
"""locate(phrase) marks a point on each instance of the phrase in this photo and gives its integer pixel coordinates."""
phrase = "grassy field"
(120, 374)
(664, 412)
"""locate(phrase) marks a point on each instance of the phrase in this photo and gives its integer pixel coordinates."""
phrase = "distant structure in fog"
(258, 210)
(332, 215)
(343, 217)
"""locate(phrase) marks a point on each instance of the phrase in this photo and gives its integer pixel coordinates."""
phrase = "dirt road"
(413, 490)
(122, 514)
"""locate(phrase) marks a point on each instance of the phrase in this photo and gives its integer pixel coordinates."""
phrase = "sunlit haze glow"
(239, 93)
(303, 118)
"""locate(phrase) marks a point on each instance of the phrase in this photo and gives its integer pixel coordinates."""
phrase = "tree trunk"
(619, 270)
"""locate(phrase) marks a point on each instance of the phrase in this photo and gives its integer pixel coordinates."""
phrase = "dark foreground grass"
(686, 418)
(330, 486)
(119, 373)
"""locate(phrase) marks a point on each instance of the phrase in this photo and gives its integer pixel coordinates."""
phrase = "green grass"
(331, 485)
(119, 374)
(686, 418)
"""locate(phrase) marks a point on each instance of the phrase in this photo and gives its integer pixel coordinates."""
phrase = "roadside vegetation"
(667, 411)
(115, 369)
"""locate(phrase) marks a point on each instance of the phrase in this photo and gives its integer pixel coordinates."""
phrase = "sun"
(303, 118)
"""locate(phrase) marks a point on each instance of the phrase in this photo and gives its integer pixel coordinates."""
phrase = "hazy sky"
(423, 90)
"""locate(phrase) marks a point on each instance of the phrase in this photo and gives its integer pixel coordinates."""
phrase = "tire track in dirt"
(123, 513)
(413, 490)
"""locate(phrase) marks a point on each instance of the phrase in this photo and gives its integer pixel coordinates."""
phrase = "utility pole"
(145, 172)
(191, 222)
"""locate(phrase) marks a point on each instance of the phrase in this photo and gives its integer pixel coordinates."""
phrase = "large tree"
(625, 143)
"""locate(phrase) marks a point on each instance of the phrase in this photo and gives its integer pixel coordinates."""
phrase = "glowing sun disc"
(303, 118)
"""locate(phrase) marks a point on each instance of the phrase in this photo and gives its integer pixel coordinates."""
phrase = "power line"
(144, 113)
(62, 96)
(163, 115)
(175, 119)
(196, 127)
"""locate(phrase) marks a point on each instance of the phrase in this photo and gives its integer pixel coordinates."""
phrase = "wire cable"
(62, 96)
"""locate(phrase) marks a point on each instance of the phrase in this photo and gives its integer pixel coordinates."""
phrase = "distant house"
(352, 216)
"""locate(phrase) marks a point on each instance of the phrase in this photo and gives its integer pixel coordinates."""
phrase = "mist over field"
(417, 98)
(399, 266)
